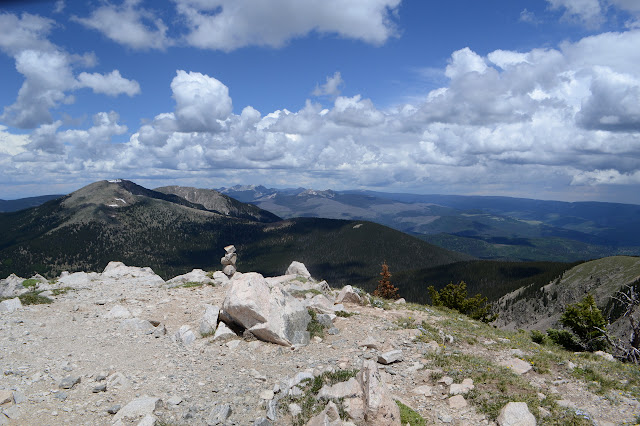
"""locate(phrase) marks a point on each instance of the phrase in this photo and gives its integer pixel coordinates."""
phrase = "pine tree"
(385, 289)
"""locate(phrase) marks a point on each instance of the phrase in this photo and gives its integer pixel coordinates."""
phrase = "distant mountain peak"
(315, 193)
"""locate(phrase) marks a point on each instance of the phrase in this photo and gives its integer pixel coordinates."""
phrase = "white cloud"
(231, 24)
(592, 13)
(128, 25)
(201, 101)
(544, 118)
(48, 72)
(588, 12)
(465, 61)
(111, 84)
(331, 86)
(12, 144)
(59, 6)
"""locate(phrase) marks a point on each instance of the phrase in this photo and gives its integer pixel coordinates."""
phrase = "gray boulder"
(298, 268)
(270, 314)
(209, 320)
(184, 335)
(10, 305)
(348, 295)
(223, 333)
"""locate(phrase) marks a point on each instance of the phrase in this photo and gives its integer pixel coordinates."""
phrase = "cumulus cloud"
(232, 24)
(48, 71)
(129, 25)
(201, 101)
(111, 84)
(12, 144)
(331, 87)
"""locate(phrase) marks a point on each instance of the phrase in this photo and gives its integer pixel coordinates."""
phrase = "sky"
(536, 99)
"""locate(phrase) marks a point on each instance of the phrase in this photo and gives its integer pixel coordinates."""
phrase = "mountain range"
(175, 230)
(484, 227)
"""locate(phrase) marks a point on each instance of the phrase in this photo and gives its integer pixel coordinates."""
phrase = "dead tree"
(629, 299)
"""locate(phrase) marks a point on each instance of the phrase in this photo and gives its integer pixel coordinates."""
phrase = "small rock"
(138, 408)
(294, 409)
(400, 301)
(262, 421)
(422, 390)
(457, 402)
(160, 331)
(370, 343)
(516, 414)
(6, 397)
(605, 355)
(390, 357)
(118, 311)
(61, 395)
(69, 382)
(446, 380)
(333, 331)
(100, 388)
(267, 394)
(174, 400)
(185, 336)
(328, 417)
(219, 415)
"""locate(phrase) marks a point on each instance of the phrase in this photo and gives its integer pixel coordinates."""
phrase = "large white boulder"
(11, 286)
(269, 313)
(10, 305)
(118, 270)
(298, 268)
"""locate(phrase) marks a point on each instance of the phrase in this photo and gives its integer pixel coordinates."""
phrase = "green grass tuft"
(30, 283)
(408, 416)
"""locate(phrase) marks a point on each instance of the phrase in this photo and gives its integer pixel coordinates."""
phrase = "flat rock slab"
(516, 414)
(390, 357)
(138, 408)
(457, 402)
(69, 382)
(516, 365)
(348, 389)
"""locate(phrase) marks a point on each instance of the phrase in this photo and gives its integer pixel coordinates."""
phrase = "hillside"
(484, 227)
(540, 305)
(121, 220)
(220, 203)
(25, 203)
(122, 345)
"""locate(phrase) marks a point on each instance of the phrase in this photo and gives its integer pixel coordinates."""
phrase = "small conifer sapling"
(385, 289)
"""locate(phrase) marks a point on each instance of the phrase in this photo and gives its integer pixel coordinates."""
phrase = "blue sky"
(537, 99)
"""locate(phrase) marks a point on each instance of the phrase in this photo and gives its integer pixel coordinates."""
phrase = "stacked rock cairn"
(229, 261)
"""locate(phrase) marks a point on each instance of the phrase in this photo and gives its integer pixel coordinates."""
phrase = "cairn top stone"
(230, 249)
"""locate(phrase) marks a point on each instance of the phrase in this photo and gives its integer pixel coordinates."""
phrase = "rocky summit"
(124, 347)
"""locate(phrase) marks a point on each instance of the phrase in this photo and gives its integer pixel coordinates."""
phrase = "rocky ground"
(91, 357)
